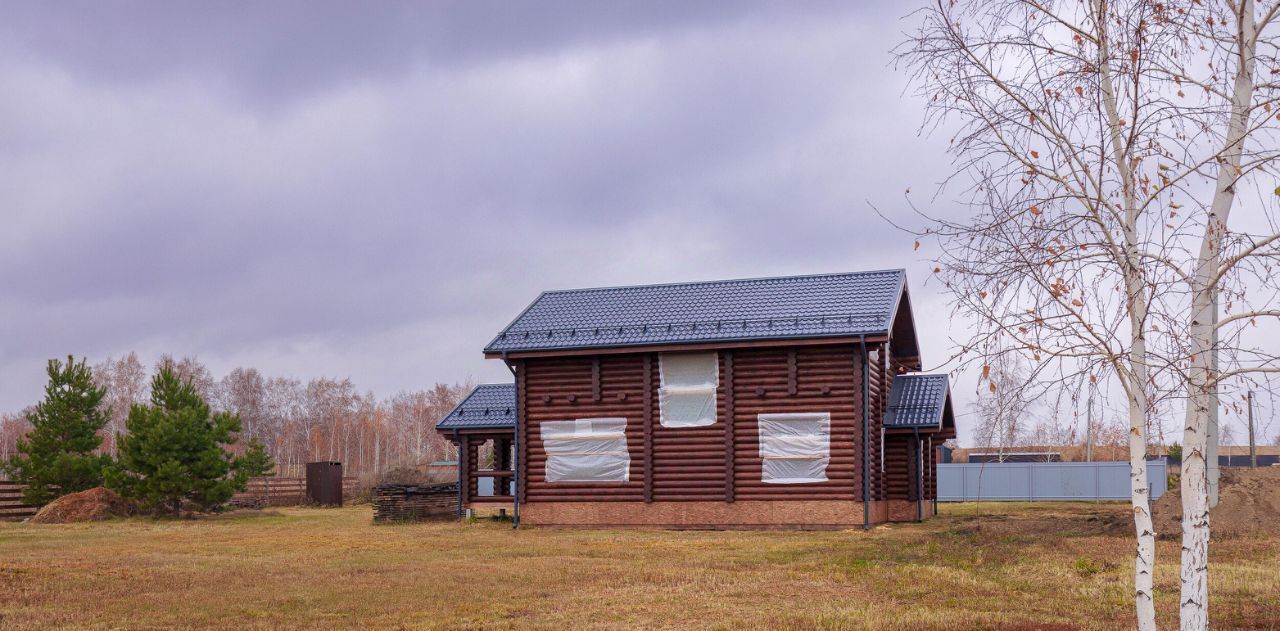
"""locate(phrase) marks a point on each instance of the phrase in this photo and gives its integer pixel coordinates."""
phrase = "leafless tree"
(1101, 147)
(12, 427)
(125, 382)
(244, 391)
(1003, 405)
(191, 369)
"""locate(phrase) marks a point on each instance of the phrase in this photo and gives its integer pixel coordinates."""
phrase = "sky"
(374, 190)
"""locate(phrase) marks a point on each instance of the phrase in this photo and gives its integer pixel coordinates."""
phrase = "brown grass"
(1044, 566)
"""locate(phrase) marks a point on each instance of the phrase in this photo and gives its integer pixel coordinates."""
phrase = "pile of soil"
(1248, 501)
(92, 505)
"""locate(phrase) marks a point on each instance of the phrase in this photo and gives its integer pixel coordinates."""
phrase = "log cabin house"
(790, 402)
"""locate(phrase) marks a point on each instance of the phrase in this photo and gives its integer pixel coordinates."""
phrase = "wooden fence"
(11, 506)
(273, 491)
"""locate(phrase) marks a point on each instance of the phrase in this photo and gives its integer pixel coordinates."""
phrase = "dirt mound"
(1248, 501)
(92, 505)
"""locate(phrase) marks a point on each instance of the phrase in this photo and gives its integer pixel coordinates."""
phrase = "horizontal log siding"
(898, 471)
(691, 464)
(831, 368)
(568, 384)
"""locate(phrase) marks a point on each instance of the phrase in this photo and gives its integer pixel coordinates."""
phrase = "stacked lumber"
(407, 502)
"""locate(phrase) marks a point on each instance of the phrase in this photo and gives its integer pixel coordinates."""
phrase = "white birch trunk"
(1139, 491)
(1194, 598)
(1144, 559)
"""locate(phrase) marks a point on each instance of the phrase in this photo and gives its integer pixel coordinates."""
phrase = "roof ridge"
(688, 283)
(780, 319)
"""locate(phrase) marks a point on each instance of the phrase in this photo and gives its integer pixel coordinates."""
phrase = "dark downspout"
(866, 438)
(919, 475)
(458, 441)
(933, 453)
(515, 456)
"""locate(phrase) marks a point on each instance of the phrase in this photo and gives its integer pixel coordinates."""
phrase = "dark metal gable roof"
(489, 406)
(918, 401)
(827, 305)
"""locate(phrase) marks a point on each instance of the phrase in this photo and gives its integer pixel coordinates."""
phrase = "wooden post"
(648, 427)
(464, 469)
(729, 422)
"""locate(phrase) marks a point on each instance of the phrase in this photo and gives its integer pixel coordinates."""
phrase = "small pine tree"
(57, 456)
(175, 451)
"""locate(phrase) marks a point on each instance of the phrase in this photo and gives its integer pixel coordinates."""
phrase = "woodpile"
(408, 502)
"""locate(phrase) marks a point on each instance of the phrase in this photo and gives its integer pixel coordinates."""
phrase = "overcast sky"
(374, 190)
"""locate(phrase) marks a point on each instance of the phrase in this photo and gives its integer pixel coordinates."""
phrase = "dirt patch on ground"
(1082, 520)
(92, 505)
(1248, 501)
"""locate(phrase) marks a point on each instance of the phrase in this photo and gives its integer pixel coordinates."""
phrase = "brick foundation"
(800, 515)
(905, 510)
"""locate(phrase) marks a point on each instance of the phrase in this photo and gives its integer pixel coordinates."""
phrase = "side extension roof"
(789, 307)
(919, 401)
(489, 406)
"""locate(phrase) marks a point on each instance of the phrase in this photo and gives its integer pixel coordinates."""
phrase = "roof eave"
(491, 353)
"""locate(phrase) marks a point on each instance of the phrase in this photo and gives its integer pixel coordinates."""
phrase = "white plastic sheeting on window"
(687, 396)
(586, 450)
(795, 448)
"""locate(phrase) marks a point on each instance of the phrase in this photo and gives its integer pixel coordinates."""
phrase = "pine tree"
(57, 456)
(175, 451)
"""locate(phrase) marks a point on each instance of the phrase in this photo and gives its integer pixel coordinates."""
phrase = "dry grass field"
(1045, 566)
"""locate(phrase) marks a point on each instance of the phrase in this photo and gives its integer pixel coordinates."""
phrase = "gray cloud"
(374, 190)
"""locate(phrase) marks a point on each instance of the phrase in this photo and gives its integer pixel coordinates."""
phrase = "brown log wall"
(898, 465)
(719, 462)
(898, 451)
(560, 389)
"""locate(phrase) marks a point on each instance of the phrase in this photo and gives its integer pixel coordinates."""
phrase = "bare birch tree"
(12, 427)
(1100, 146)
(126, 383)
(1003, 405)
(244, 391)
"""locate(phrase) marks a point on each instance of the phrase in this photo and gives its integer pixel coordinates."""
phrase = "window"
(687, 396)
(795, 448)
(586, 450)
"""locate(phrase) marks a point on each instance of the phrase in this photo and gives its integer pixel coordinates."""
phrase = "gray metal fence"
(1037, 481)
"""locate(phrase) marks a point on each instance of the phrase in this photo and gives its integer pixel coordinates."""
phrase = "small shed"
(324, 483)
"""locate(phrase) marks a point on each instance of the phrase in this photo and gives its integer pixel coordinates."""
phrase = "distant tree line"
(295, 421)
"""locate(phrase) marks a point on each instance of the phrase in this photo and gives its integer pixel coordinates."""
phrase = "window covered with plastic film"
(795, 448)
(687, 394)
(586, 450)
